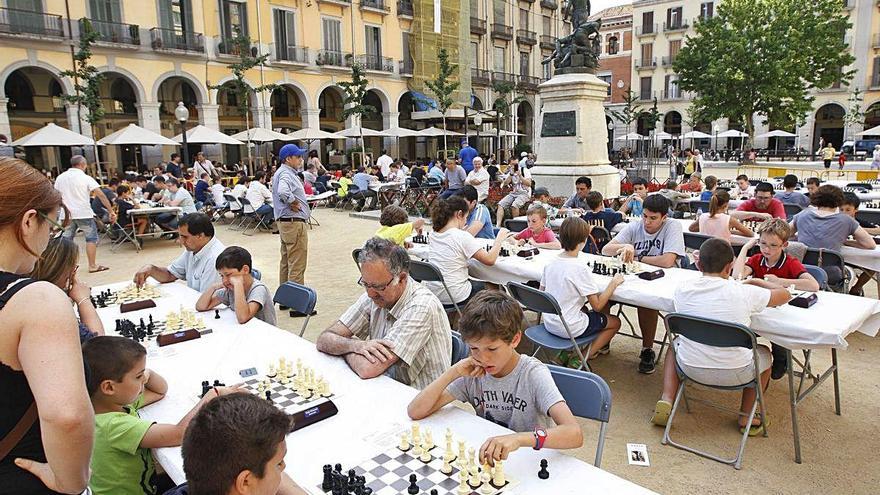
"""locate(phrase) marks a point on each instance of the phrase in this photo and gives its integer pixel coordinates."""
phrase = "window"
(645, 88)
(547, 25)
(524, 19)
(673, 18)
(175, 15)
(105, 10)
(546, 71)
(475, 54)
(647, 54)
(331, 31)
(607, 79)
(234, 17)
(373, 39)
(647, 22)
(613, 45)
(407, 56)
(285, 34)
(670, 86)
(524, 66)
(674, 48)
(875, 75)
(498, 10)
(707, 10)
(500, 57)
(475, 11)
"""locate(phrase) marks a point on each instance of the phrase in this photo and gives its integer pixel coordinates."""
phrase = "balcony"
(528, 83)
(478, 26)
(480, 77)
(379, 63)
(672, 94)
(116, 33)
(227, 48)
(646, 63)
(548, 42)
(405, 8)
(25, 22)
(289, 54)
(549, 4)
(341, 3)
(405, 68)
(646, 30)
(675, 26)
(526, 37)
(333, 58)
(503, 77)
(377, 6)
(502, 32)
(162, 39)
(667, 61)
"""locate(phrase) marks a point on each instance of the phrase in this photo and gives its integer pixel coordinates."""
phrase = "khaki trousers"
(294, 251)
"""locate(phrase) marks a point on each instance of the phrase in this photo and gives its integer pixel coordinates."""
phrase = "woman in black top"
(41, 370)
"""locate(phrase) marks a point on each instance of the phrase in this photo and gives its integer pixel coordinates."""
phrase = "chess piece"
(474, 480)
(206, 386)
(271, 373)
(269, 395)
(462, 461)
(415, 432)
(426, 456)
(413, 488)
(404, 442)
(429, 440)
(543, 473)
(486, 488)
(327, 483)
(447, 467)
(463, 488)
(498, 475)
(485, 474)
(216, 314)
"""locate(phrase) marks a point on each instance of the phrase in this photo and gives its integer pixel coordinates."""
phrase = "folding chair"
(258, 221)
(123, 236)
(819, 274)
(693, 240)
(248, 215)
(348, 200)
(791, 210)
(230, 202)
(516, 225)
(542, 302)
(422, 271)
(298, 298)
(459, 349)
(717, 334)
(588, 396)
(695, 206)
(839, 275)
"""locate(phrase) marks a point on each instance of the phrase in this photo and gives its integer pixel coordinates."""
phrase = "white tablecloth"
(384, 186)
(370, 411)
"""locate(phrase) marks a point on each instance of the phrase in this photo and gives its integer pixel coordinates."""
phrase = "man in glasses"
(397, 328)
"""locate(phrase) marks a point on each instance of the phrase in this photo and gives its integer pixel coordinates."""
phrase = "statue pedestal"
(574, 138)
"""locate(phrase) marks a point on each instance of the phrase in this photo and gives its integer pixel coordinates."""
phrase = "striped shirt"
(418, 327)
(287, 187)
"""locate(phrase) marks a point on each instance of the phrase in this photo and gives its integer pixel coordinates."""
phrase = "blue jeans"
(168, 221)
(88, 227)
(447, 193)
(267, 213)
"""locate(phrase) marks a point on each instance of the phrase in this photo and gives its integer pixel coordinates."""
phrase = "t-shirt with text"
(669, 239)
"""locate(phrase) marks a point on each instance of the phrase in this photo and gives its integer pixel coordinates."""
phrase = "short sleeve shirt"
(775, 209)
(395, 233)
(76, 188)
(570, 281)
(483, 187)
(418, 327)
(119, 464)
(482, 214)
(123, 207)
(824, 231)
(575, 201)
(450, 252)
(198, 269)
(609, 217)
(520, 401)
(636, 207)
(546, 235)
(455, 178)
(787, 267)
(669, 239)
(259, 293)
(793, 198)
(186, 201)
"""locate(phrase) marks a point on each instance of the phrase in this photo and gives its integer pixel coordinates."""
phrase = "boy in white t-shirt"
(715, 296)
(570, 281)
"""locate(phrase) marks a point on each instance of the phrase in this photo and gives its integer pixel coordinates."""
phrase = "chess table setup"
(421, 238)
(129, 298)
(290, 391)
(145, 331)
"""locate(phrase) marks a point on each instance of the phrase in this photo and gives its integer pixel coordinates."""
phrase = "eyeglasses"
(377, 288)
(55, 225)
(769, 245)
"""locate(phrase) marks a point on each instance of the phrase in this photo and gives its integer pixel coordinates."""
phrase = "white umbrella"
(135, 135)
(399, 132)
(659, 136)
(503, 133)
(260, 135)
(874, 131)
(309, 134)
(777, 133)
(356, 132)
(205, 135)
(695, 135)
(733, 133)
(53, 135)
(435, 132)
(633, 136)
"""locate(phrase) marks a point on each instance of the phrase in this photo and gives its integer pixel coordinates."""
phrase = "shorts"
(87, 225)
(598, 322)
(514, 200)
(827, 163)
(727, 377)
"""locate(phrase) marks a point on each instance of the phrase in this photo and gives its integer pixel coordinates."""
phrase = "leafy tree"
(443, 87)
(854, 114)
(240, 44)
(355, 92)
(86, 84)
(630, 111)
(504, 102)
(765, 57)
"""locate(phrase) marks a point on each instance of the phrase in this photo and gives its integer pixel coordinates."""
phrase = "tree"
(355, 91)
(629, 113)
(764, 57)
(86, 84)
(854, 114)
(503, 103)
(240, 44)
(443, 87)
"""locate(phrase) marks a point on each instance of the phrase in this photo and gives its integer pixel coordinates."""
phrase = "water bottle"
(699, 212)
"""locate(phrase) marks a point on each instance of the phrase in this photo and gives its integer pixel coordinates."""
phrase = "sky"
(598, 5)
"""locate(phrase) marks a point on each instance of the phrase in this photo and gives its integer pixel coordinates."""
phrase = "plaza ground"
(840, 452)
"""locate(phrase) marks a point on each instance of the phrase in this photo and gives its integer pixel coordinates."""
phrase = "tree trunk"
(247, 122)
(97, 156)
(445, 147)
(750, 130)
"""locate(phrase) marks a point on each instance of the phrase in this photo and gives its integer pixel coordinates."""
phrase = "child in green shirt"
(395, 226)
(119, 384)
(344, 182)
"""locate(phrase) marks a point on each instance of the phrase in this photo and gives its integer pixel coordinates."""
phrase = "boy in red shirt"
(538, 234)
(772, 268)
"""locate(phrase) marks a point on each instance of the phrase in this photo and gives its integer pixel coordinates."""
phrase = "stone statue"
(579, 51)
(577, 11)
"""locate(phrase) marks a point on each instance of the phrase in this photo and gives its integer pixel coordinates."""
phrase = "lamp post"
(716, 129)
(181, 113)
(478, 121)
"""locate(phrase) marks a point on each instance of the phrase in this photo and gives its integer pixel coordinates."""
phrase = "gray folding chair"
(423, 271)
(298, 298)
(693, 240)
(588, 396)
(717, 334)
(459, 349)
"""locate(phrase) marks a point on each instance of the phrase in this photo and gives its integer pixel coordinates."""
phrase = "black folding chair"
(791, 210)
(839, 275)
(423, 271)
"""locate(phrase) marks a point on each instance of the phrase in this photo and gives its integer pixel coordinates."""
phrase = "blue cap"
(291, 150)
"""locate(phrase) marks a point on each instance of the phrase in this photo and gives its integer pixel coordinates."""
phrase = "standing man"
(828, 154)
(203, 166)
(173, 167)
(467, 155)
(76, 188)
(291, 216)
(384, 163)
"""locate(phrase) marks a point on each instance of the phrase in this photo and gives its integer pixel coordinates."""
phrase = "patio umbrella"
(205, 135)
(695, 135)
(659, 136)
(874, 131)
(260, 135)
(399, 132)
(633, 136)
(777, 134)
(53, 135)
(732, 133)
(356, 132)
(135, 135)
(309, 134)
(435, 132)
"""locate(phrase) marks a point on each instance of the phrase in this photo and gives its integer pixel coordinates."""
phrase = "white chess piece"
(447, 467)
(498, 475)
(404, 442)
(429, 440)
(463, 488)
(425, 456)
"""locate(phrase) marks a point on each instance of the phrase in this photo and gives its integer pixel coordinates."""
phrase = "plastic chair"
(791, 210)
(515, 225)
(693, 240)
(718, 334)
(256, 274)
(298, 298)
(819, 274)
(542, 302)
(459, 349)
(423, 271)
(348, 200)
(832, 263)
(588, 396)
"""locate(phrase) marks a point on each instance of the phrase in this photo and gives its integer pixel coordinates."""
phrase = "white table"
(555, 223)
(369, 410)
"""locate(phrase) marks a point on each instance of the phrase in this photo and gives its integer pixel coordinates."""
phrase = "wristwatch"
(540, 438)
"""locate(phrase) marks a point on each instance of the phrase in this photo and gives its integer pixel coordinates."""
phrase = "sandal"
(662, 410)
(101, 268)
(757, 429)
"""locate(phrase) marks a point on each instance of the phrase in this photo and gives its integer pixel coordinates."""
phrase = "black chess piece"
(337, 468)
(327, 483)
(269, 395)
(351, 477)
(217, 383)
(143, 326)
(367, 491)
(216, 314)
(543, 473)
(433, 491)
(413, 488)
(206, 386)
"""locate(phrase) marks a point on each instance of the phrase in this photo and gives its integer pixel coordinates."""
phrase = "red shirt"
(545, 236)
(775, 209)
(787, 267)
(686, 187)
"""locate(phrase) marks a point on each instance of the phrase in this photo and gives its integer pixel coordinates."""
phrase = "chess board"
(610, 267)
(420, 238)
(284, 396)
(388, 474)
(125, 295)
(149, 332)
(754, 225)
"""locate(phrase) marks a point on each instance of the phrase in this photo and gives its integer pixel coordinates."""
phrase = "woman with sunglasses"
(58, 265)
(45, 414)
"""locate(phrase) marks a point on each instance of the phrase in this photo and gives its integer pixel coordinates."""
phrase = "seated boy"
(606, 217)
(711, 186)
(813, 184)
(654, 240)
(119, 384)
(542, 198)
(743, 189)
(494, 376)
(715, 296)
(238, 289)
(396, 227)
(850, 207)
(537, 233)
(124, 204)
(235, 446)
(570, 281)
(633, 204)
